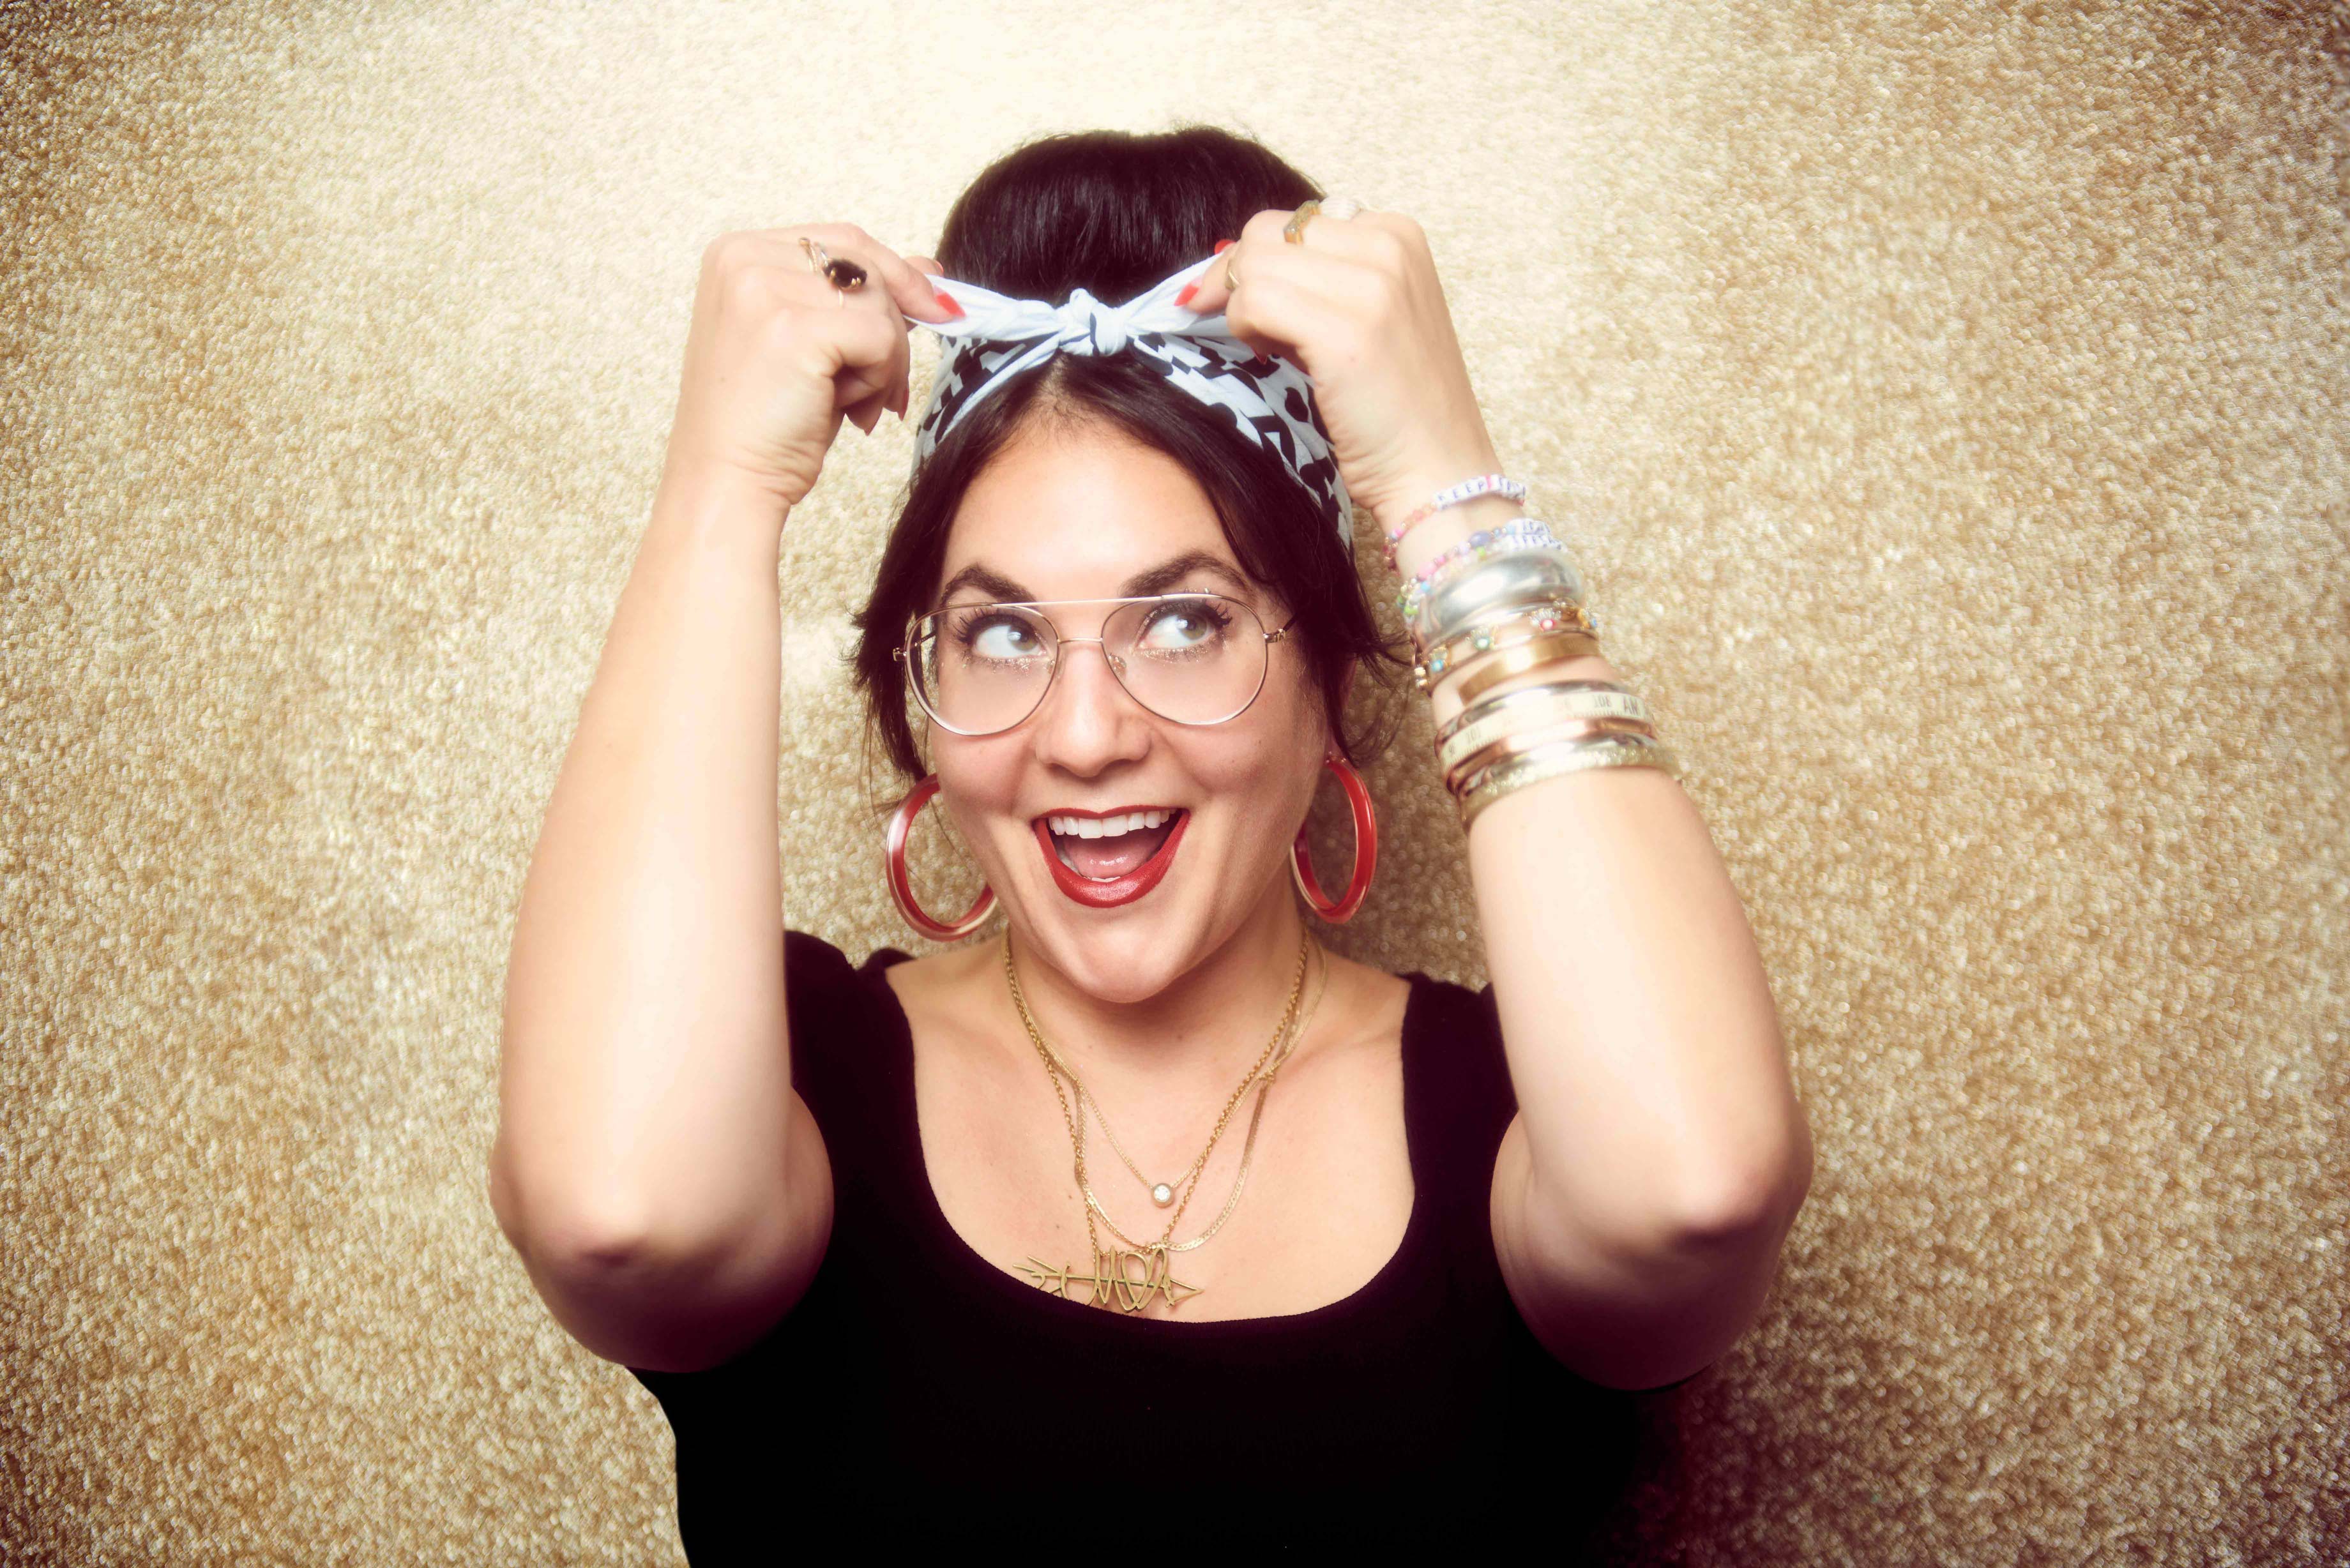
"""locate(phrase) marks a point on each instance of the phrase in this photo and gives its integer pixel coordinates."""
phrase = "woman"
(1284, 1227)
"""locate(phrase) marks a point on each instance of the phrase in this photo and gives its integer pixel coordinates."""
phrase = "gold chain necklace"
(1128, 1277)
(1248, 1146)
(1162, 1192)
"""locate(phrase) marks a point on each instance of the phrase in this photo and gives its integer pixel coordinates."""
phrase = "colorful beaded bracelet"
(1467, 490)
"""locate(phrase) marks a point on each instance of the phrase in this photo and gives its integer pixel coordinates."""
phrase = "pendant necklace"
(1128, 1276)
(1161, 1192)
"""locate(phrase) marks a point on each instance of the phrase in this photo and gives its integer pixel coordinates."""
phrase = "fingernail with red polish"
(947, 304)
(1224, 245)
(1189, 290)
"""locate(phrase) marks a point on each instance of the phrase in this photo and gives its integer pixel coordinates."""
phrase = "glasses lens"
(1197, 659)
(983, 667)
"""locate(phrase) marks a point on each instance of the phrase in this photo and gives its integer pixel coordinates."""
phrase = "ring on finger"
(844, 274)
(1338, 207)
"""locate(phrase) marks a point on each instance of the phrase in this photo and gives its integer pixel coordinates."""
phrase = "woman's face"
(1080, 514)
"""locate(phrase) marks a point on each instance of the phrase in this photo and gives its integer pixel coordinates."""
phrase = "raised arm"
(666, 1188)
(1658, 1156)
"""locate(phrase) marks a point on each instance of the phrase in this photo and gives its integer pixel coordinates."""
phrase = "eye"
(998, 636)
(1185, 626)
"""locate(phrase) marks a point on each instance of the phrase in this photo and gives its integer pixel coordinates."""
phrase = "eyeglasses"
(1191, 658)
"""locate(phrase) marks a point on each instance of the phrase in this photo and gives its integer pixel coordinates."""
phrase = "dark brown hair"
(1113, 213)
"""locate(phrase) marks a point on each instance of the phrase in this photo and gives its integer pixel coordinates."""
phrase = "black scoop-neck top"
(917, 1389)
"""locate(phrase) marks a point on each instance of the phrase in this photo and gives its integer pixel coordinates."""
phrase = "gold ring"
(1231, 279)
(1293, 231)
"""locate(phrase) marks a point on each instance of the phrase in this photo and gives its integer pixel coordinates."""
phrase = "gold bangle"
(1490, 670)
(1546, 710)
(1471, 783)
(1527, 703)
(1616, 752)
(1500, 750)
(1554, 615)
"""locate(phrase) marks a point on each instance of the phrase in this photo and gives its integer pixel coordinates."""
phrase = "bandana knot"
(1268, 399)
(1089, 327)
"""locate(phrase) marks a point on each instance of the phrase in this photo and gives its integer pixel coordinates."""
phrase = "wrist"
(1441, 531)
(716, 501)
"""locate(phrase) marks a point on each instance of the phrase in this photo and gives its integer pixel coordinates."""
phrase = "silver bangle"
(1516, 577)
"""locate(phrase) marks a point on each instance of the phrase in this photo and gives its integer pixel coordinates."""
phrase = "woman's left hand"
(1358, 305)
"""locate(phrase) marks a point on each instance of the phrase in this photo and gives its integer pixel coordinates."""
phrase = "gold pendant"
(1126, 1278)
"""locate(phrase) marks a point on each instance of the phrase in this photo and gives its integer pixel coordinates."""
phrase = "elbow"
(1762, 1199)
(566, 1237)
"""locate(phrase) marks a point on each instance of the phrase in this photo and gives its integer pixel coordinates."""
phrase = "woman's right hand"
(776, 356)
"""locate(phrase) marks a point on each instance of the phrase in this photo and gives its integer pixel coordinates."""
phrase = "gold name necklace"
(1128, 1276)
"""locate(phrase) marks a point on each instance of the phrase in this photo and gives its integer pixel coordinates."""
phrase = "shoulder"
(1453, 1046)
(817, 968)
(837, 1010)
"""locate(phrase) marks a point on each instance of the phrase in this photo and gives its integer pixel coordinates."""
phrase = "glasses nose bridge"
(1061, 645)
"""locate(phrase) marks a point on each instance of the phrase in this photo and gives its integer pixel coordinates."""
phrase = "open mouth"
(1111, 868)
(1109, 856)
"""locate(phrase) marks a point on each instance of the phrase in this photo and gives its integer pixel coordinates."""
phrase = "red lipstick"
(1117, 890)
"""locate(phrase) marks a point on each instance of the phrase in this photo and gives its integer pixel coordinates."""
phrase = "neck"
(1193, 1038)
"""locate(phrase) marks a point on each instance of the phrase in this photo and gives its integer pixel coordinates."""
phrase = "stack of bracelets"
(1505, 601)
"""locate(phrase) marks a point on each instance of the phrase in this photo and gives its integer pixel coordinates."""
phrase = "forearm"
(1641, 1035)
(644, 1077)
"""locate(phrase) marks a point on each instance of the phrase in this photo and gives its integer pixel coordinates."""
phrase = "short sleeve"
(1463, 1073)
(818, 976)
(829, 1014)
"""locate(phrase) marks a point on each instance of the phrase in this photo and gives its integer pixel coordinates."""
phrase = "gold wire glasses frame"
(1006, 679)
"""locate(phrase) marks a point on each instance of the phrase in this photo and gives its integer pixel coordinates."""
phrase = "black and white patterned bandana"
(1270, 399)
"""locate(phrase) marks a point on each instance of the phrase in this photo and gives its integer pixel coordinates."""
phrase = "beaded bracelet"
(1614, 751)
(1545, 615)
(1467, 490)
(1521, 534)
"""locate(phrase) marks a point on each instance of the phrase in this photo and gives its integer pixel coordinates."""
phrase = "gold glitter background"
(1948, 402)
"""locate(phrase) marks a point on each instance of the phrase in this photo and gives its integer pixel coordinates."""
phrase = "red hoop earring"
(901, 886)
(1367, 850)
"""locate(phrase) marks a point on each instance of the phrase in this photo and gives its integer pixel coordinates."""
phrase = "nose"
(1088, 720)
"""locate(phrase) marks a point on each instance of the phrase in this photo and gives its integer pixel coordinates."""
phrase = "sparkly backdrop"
(1947, 402)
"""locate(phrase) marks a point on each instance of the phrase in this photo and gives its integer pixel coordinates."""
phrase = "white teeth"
(1107, 826)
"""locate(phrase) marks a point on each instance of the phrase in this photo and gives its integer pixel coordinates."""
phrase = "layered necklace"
(1128, 1275)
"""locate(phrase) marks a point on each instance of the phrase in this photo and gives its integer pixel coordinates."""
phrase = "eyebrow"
(1150, 580)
